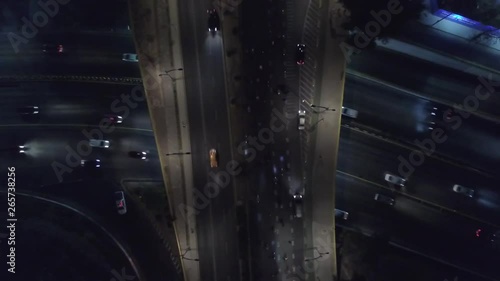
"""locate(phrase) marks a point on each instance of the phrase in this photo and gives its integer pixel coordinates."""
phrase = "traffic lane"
(386, 109)
(426, 78)
(91, 109)
(192, 42)
(101, 42)
(217, 128)
(53, 149)
(47, 231)
(358, 197)
(261, 220)
(370, 158)
(95, 197)
(467, 139)
(64, 89)
(416, 226)
(203, 60)
(66, 64)
(276, 234)
(72, 42)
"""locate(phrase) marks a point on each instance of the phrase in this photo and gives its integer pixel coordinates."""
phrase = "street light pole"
(178, 153)
(318, 106)
(189, 259)
(167, 72)
(320, 255)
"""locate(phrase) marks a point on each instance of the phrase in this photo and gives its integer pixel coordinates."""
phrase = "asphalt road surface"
(423, 77)
(276, 233)
(94, 55)
(410, 224)
(470, 140)
(209, 128)
(432, 181)
(69, 114)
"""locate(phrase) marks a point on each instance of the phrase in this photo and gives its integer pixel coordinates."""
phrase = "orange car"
(213, 158)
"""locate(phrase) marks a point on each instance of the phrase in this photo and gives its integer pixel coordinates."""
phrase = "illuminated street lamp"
(178, 153)
(318, 106)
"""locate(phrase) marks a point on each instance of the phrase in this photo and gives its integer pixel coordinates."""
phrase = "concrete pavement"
(322, 254)
(157, 39)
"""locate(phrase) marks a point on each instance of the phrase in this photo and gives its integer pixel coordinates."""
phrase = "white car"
(463, 190)
(341, 214)
(394, 179)
(130, 57)
(99, 143)
(349, 112)
(302, 119)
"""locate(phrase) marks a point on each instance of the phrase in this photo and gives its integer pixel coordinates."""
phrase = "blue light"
(465, 21)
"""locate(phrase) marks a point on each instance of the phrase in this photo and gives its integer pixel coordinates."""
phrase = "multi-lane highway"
(53, 190)
(428, 217)
(434, 81)
(405, 116)
(87, 54)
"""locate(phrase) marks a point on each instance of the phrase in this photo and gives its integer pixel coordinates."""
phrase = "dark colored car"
(384, 199)
(96, 163)
(213, 20)
(113, 118)
(53, 48)
(121, 205)
(138, 154)
(300, 55)
(297, 200)
(440, 117)
(28, 110)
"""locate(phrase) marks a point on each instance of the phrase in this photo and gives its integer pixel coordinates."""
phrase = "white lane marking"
(291, 231)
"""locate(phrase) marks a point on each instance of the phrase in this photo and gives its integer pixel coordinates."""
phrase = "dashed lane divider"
(71, 78)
